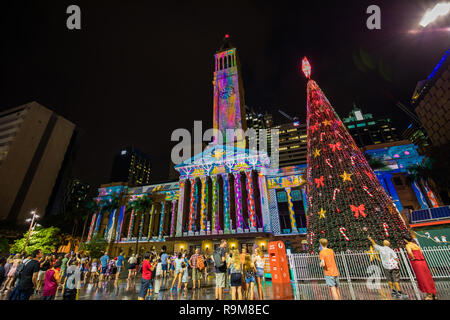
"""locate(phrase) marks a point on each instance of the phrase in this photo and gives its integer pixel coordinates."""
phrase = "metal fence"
(367, 265)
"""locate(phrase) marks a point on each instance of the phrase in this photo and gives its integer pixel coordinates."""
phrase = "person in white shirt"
(390, 262)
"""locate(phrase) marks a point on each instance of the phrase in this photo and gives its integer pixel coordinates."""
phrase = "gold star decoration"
(322, 213)
(317, 153)
(346, 176)
(372, 254)
(326, 123)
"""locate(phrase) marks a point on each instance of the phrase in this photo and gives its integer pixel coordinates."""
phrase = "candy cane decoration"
(321, 136)
(386, 227)
(352, 159)
(367, 190)
(328, 162)
(334, 193)
(342, 231)
(311, 238)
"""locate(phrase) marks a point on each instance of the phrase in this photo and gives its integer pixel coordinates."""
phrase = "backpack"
(200, 263)
(217, 257)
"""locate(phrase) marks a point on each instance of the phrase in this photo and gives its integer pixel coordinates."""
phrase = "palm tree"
(421, 173)
(91, 206)
(375, 163)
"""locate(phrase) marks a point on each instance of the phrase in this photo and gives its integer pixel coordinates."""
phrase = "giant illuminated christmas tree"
(346, 202)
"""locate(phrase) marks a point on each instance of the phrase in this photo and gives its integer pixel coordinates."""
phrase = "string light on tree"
(336, 166)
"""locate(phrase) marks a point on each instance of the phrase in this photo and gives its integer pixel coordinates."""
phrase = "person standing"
(2, 270)
(51, 282)
(164, 263)
(104, 265)
(235, 268)
(28, 276)
(219, 258)
(64, 267)
(44, 266)
(195, 262)
(72, 280)
(178, 271)
(330, 270)
(390, 262)
(259, 262)
(147, 277)
(119, 264)
(132, 263)
(250, 271)
(419, 264)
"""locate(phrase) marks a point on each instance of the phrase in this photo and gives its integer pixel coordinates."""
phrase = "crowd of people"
(236, 272)
(240, 273)
(391, 266)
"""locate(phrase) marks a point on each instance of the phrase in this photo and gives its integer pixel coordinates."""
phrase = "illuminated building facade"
(367, 130)
(231, 192)
(131, 166)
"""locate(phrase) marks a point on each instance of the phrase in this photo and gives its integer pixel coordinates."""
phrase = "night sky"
(137, 70)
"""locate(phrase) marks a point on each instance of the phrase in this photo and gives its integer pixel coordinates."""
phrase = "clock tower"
(229, 105)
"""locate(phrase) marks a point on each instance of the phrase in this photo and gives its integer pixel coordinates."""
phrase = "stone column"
(264, 201)
(131, 224)
(172, 220)
(226, 202)
(161, 220)
(192, 206)
(215, 206)
(291, 210)
(141, 225)
(152, 213)
(91, 227)
(251, 201)
(179, 224)
(203, 206)
(238, 201)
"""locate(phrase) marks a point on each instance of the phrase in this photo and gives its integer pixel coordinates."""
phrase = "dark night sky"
(137, 70)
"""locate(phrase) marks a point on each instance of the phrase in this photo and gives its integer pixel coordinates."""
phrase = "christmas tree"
(346, 202)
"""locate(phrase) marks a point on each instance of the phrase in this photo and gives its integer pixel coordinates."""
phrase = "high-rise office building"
(257, 120)
(367, 130)
(418, 136)
(131, 166)
(431, 102)
(34, 142)
(292, 143)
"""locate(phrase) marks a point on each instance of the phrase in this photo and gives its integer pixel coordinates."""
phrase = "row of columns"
(97, 218)
(199, 196)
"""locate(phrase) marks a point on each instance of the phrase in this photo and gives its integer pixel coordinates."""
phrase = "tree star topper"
(306, 68)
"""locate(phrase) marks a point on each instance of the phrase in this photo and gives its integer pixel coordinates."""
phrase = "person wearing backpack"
(197, 265)
(27, 273)
(219, 257)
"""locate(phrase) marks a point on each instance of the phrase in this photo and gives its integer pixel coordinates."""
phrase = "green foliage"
(45, 239)
(4, 245)
(96, 247)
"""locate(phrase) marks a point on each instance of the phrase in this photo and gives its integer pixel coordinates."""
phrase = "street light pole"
(32, 225)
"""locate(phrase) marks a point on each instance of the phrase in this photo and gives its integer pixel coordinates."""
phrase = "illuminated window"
(351, 126)
(361, 125)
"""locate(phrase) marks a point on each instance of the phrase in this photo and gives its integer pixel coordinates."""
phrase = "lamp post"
(33, 223)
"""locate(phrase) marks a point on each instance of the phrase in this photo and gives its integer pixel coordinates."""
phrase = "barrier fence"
(357, 266)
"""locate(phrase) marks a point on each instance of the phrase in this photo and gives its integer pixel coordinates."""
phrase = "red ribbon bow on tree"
(319, 182)
(358, 210)
(335, 146)
(314, 127)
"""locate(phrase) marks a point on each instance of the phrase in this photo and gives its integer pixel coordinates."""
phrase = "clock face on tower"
(226, 92)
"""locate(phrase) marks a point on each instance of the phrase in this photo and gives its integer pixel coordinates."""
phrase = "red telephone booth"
(279, 267)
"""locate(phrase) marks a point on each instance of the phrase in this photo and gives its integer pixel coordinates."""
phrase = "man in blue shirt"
(119, 264)
(164, 263)
(104, 263)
